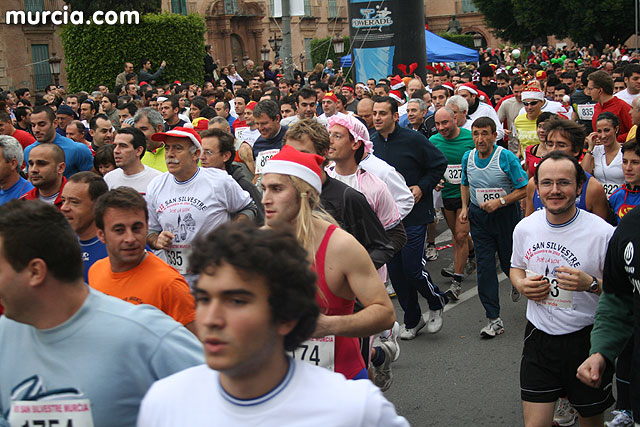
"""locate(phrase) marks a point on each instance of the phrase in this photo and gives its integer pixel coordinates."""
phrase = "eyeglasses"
(561, 183)
(528, 103)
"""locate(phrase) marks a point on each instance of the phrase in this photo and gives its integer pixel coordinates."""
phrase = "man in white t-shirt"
(250, 312)
(130, 145)
(557, 262)
(306, 102)
(188, 200)
(632, 81)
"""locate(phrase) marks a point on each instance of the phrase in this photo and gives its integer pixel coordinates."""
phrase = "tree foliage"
(586, 21)
(461, 39)
(95, 54)
(322, 49)
(90, 6)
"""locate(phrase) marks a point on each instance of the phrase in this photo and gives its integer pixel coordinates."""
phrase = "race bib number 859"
(486, 194)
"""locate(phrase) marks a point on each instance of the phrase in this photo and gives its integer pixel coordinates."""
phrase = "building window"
(230, 7)
(468, 6)
(33, 5)
(307, 7)
(271, 7)
(179, 7)
(333, 8)
(41, 72)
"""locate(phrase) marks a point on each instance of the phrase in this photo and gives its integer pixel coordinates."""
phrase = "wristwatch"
(594, 286)
(502, 201)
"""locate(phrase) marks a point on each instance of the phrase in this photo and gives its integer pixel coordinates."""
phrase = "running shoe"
(493, 328)
(410, 333)
(393, 337)
(431, 254)
(470, 267)
(565, 414)
(448, 270)
(622, 419)
(434, 321)
(382, 375)
(390, 291)
(453, 293)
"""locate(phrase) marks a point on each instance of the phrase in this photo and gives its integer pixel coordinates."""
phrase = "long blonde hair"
(310, 208)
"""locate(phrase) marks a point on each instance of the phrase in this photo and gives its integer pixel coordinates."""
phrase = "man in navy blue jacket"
(422, 165)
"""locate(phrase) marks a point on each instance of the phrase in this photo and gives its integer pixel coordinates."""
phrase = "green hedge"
(462, 39)
(319, 51)
(95, 54)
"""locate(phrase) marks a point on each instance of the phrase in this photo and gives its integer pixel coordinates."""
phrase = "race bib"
(177, 256)
(610, 188)
(262, 158)
(453, 174)
(53, 413)
(557, 298)
(486, 194)
(239, 136)
(317, 351)
(585, 111)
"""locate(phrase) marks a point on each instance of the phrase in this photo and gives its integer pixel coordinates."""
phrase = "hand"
(464, 215)
(163, 64)
(440, 185)
(164, 240)
(507, 133)
(491, 205)
(417, 193)
(571, 279)
(590, 372)
(593, 139)
(534, 288)
(322, 327)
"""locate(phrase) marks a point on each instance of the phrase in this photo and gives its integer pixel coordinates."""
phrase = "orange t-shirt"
(152, 282)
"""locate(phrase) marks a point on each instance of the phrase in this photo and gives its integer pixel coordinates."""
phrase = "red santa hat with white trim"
(469, 87)
(397, 82)
(305, 166)
(396, 95)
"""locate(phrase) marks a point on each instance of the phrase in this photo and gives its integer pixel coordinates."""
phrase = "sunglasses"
(526, 104)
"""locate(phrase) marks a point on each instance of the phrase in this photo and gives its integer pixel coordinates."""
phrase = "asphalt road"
(455, 377)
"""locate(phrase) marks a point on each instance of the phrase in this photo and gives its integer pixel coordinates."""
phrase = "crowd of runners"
(226, 253)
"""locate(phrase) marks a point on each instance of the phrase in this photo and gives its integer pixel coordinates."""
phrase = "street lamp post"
(338, 44)
(54, 68)
(477, 41)
(264, 53)
(275, 42)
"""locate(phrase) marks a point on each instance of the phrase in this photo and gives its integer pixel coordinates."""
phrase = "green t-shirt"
(453, 150)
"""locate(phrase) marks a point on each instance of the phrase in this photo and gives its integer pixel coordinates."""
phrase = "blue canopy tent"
(438, 50)
(443, 50)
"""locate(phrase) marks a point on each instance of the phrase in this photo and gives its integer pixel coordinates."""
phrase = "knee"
(461, 237)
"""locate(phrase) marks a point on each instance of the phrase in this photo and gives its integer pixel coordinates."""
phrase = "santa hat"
(396, 82)
(532, 92)
(448, 86)
(290, 161)
(180, 132)
(396, 95)
(469, 87)
(331, 96)
(251, 105)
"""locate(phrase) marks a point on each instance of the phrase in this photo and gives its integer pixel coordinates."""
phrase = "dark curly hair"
(274, 255)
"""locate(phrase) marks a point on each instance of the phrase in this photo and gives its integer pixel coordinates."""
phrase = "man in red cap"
(188, 199)
(329, 105)
(292, 183)
(349, 92)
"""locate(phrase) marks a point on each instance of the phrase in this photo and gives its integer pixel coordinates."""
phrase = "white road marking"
(467, 295)
(443, 237)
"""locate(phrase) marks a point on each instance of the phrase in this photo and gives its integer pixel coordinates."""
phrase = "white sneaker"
(565, 415)
(393, 338)
(410, 333)
(434, 321)
(431, 254)
(453, 293)
(390, 291)
(622, 419)
(493, 328)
